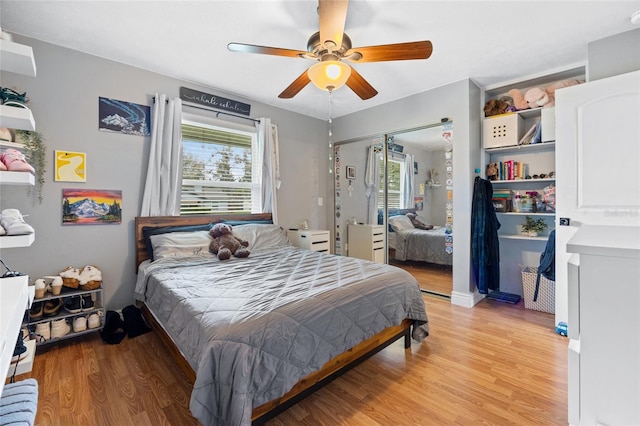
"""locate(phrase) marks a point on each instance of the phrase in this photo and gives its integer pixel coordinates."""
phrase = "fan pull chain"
(330, 131)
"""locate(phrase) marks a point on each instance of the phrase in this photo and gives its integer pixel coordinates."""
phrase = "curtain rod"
(191, 105)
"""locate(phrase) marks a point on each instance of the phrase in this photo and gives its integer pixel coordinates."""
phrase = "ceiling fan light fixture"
(329, 75)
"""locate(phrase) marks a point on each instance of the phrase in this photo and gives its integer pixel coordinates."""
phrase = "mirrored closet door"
(393, 202)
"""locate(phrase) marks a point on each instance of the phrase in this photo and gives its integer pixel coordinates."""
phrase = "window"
(394, 184)
(220, 171)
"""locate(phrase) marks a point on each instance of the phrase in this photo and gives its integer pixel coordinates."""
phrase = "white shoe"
(2, 231)
(79, 324)
(14, 224)
(41, 288)
(44, 330)
(94, 321)
(59, 328)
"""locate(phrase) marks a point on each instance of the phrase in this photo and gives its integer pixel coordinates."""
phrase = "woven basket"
(546, 301)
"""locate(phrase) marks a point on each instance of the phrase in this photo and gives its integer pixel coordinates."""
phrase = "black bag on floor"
(133, 322)
(114, 328)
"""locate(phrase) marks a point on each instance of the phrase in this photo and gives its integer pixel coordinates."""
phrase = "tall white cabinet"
(598, 153)
(604, 326)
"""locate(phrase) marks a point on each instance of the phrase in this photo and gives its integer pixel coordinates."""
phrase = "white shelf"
(526, 214)
(532, 147)
(16, 178)
(523, 237)
(519, 181)
(14, 241)
(13, 117)
(17, 58)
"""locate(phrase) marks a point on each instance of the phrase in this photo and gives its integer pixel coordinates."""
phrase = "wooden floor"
(495, 364)
(431, 277)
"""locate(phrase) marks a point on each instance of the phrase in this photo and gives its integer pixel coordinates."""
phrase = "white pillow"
(400, 223)
(261, 236)
(180, 244)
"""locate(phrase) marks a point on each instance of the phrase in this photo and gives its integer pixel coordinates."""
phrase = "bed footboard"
(331, 370)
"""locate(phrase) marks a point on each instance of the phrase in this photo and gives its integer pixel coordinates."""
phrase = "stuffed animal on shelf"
(551, 90)
(224, 244)
(492, 171)
(537, 97)
(495, 107)
(519, 102)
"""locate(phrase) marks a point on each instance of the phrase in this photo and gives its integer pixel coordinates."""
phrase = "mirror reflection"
(410, 181)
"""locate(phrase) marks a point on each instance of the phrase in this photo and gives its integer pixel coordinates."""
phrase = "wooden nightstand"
(311, 239)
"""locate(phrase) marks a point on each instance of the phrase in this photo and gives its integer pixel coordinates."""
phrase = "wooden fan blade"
(360, 86)
(264, 50)
(295, 87)
(333, 14)
(392, 52)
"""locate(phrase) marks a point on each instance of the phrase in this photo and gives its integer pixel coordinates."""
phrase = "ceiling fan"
(330, 47)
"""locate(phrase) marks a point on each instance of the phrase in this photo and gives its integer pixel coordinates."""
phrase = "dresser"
(311, 239)
(604, 326)
(366, 242)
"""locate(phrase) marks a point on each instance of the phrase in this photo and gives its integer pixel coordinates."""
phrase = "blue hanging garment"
(547, 263)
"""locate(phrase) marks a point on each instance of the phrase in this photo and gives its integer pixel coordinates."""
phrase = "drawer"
(317, 238)
(320, 246)
(378, 255)
(378, 244)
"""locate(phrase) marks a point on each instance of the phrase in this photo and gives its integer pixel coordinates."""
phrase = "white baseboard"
(468, 300)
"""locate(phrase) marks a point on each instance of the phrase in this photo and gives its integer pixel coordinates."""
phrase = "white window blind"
(221, 173)
(394, 187)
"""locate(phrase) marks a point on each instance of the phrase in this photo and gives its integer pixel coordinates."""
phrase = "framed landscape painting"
(91, 207)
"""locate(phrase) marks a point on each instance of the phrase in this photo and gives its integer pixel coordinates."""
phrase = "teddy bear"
(519, 102)
(492, 171)
(537, 97)
(497, 106)
(224, 244)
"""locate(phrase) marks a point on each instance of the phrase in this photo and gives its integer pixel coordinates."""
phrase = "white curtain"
(408, 183)
(371, 184)
(164, 173)
(268, 151)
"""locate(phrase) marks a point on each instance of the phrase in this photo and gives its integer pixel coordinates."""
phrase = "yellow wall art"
(70, 166)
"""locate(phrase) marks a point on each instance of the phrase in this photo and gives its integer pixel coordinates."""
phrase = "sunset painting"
(91, 207)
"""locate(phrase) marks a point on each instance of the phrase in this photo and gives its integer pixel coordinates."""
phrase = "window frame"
(255, 185)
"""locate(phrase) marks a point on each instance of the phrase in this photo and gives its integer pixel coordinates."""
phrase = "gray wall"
(460, 102)
(64, 101)
(615, 55)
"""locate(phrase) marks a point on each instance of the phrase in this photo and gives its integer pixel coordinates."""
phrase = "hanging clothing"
(485, 247)
(547, 263)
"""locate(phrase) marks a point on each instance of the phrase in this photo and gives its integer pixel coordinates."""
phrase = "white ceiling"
(487, 41)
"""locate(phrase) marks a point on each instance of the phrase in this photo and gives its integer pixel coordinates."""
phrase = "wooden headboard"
(160, 221)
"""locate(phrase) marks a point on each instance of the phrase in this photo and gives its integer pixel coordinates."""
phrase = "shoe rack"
(67, 296)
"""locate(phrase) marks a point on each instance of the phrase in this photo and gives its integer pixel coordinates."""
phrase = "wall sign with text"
(213, 101)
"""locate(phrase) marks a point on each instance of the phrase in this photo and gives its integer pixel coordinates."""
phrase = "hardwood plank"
(493, 364)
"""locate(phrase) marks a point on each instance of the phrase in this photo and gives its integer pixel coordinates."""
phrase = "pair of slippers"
(115, 328)
(14, 161)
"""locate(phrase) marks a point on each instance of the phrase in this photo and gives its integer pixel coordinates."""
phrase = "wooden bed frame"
(331, 370)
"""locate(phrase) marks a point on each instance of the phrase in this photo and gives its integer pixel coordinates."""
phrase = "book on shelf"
(511, 170)
(502, 193)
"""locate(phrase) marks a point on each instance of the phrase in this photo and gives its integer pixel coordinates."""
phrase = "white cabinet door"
(597, 162)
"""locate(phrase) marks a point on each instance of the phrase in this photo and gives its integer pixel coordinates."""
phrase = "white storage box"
(546, 301)
(548, 123)
(502, 130)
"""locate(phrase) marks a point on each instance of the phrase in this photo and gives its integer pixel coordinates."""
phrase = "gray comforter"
(251, 328)
(423, 246)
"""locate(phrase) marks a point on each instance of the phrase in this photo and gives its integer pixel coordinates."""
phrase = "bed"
(259, 333)
(408, 242)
